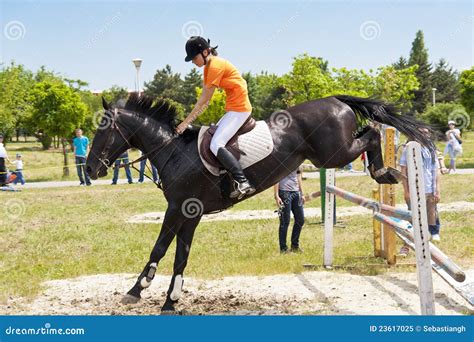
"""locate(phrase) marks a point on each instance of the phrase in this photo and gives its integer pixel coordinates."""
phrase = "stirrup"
(242, 189)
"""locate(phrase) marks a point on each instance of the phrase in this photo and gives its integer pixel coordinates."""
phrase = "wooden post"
(328, 220)
(377, 228)
(388, 195)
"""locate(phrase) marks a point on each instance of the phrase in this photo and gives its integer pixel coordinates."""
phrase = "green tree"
(308, 79)
(352, 82)
(15, 86)
(466, 82)
(419, 56)
(165, 84)
(439, 115)
(270, 95)
(445, 80)
(115, 94)
(401, 63)
(188, 96)
(57, 110)
(396, 85)
(215, 110)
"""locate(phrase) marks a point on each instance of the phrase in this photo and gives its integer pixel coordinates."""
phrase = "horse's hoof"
(389, 175)
(129, 299)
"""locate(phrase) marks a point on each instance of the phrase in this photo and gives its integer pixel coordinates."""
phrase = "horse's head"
(110, 141)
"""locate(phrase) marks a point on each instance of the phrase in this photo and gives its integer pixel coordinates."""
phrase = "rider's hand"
(182, 127)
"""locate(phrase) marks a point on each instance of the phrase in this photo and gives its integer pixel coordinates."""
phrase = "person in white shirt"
(18, 170)
(3, 168)
(453, 147)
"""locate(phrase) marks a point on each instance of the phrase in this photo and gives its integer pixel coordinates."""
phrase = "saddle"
(232, 145)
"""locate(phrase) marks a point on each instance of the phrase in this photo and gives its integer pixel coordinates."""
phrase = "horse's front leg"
(171, 225)
(183, 247)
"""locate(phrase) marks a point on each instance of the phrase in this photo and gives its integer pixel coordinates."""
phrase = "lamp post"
(137, 62)
(434, 96)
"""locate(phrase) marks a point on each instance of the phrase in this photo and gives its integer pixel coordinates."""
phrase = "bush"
(439, 115)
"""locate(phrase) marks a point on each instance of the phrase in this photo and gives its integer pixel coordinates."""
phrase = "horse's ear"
(105, 104)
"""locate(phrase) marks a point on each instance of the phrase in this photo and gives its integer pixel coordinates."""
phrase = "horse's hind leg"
(171, 225)
(380, 173)
(183, 247)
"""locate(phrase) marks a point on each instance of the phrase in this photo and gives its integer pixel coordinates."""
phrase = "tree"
(269, 96)
(308, 79)
(466, 82)
(115, 94)
(445, 80)
(215, 110)
(439, 115)
(165, 84)
(352, 82)
(401, 63)
(57, 110)
(419, 56)
(188, 93)
(15, 86)
(396, 85)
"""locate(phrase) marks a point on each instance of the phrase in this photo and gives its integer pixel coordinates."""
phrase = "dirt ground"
(313, 293)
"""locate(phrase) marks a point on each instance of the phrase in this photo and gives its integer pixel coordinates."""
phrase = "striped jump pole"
(370, 203)
(441, 259)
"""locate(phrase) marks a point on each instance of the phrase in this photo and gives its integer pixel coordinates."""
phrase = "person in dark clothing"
(289, 198)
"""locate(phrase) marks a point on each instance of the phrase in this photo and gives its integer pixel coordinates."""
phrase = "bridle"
(108, 142)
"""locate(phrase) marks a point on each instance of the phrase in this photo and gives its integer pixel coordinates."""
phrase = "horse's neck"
(152, 142)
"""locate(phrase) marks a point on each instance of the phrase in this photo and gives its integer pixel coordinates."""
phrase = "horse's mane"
(160, 110)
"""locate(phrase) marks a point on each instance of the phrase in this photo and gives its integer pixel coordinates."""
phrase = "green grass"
(68, 232)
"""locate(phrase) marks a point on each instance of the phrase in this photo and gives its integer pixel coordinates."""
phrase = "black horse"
(325, 131)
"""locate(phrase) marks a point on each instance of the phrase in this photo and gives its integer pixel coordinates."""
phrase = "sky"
(95, 41)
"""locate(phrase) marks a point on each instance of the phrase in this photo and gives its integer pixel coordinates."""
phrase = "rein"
(144, 156)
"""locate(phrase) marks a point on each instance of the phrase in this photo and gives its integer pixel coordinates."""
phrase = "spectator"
(289, 198)
(154, 172)
(81, 149)
(431, 176)
(453, 147)
(122, 159)
(18, 170)
(3, 168)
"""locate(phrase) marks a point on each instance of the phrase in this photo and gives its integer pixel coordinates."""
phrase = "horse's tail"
(389, 114)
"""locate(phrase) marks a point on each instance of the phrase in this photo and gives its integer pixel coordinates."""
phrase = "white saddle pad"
(257, 144)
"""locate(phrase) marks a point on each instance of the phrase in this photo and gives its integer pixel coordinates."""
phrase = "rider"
(220, 73)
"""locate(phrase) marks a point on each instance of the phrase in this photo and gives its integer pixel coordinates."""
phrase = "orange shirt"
(222, 74)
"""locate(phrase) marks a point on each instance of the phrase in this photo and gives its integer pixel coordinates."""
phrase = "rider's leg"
(228, 126)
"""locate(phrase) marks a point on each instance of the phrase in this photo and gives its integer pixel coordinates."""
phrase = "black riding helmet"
(196, 45)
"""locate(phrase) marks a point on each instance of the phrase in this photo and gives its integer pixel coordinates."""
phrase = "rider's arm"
(201, 104)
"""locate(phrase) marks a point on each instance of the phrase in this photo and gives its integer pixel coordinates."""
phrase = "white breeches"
(228, 125)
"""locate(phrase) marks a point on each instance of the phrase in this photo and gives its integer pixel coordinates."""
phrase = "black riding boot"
(242, 186)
